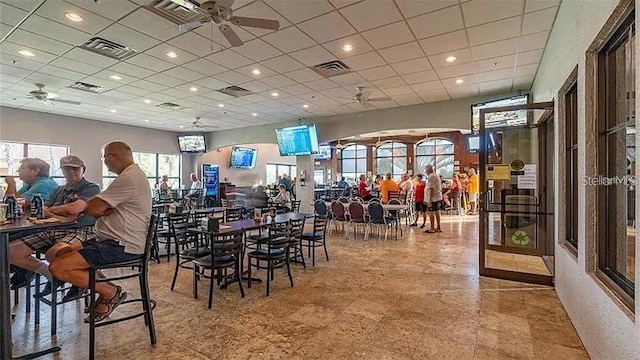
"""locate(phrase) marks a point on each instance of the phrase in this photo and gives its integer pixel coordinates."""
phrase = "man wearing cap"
(66, 202)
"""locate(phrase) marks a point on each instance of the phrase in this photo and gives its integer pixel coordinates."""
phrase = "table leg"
(5, 294)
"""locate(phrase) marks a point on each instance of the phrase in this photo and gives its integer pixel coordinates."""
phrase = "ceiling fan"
(198, 124)
(46, 97)
(220, 12)
(362, 98)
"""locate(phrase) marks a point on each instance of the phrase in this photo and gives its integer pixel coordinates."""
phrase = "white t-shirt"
(406, 185)
(130, 197)
(433, 182)
(195, 186)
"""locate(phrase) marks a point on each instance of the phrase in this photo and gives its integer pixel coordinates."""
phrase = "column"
(304, 189)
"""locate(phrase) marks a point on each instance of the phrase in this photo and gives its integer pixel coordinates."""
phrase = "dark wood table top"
(13, 226)
(250, 224)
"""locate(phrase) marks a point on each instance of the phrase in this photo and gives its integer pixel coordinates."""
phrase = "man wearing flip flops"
(433, 198)
(122, 215)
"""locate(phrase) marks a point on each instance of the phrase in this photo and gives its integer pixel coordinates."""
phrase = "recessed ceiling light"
(459, 81)
(220, 105)
(451, 58)
(274, 94)
(305, 106)
(254, 114)
(147, 101)
(256, 72)
(146, 121)
(112, 110)
(73, 17)
(26, 53)
(172, 55)
(115, 77)
(180, 126)
(193, 88)
(347, 47)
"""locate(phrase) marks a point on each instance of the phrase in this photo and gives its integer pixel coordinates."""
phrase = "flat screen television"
(191, 143)
(243, 158)
(473, 143)
(297, 140)
(500, 119)
(324, 152)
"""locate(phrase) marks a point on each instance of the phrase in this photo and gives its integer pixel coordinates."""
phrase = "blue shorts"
(99, 253)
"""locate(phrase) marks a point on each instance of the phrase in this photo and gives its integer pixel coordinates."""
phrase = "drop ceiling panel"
(150, 24)
(128, 37)
(321, 84)
(282, 64)
(463, 56)
(427, 86)
(37, 42)
(73, 65)
(11, 15)
(248, 71)
(258, 50)
(539, 21)
(150, 62)
(411, 8)
(297, 89)
(367, 15)
(303, 75)
(400, 90)
(327, 27)
(184, 74)
(55, 10)
(205, 67)
(148, 85)
(530, 57)
(495, 49)
(533, 41)
(298, 11)
(161, 51)
(131, 70)
(494, 31)
(444, 43)
(402, 52)
(495, 75)
(420, 77)
(10, 50)
(194, 44)
(57, 71)
(364, 61)
(278, 81)
(289, 39)
(51, 29)
(229, 59)
(349, 79)
(437, 22)
(259, 10)
(411, 66)
(111, 12)
(165, 80)
(479, 12)
(379, 72)
(540, 4)
(389, 35)
(313, 56)
(526, 70)
(389, 82)
(359, 44)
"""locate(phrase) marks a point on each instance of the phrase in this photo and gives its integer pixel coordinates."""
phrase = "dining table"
(7, 228)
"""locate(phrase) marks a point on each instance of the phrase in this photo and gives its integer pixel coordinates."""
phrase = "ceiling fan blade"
(255, 22)
(189, 26)
(65, 101)
(230, 35)
(379, 99)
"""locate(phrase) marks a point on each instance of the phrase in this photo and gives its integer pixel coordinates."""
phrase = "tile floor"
(416, 298)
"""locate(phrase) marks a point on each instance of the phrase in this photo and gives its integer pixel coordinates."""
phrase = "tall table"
(12, 227)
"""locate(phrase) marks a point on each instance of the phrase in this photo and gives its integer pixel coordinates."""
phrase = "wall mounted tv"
(191, 143)
(297, 140)
(324, 152)
(500, 119)
(243, 158)
(473, 143)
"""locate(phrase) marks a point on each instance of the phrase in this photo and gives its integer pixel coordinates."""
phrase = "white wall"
(606, 329)
(267, 153)
(84, 137)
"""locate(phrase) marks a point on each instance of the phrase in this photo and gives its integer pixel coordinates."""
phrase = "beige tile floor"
(416, 298)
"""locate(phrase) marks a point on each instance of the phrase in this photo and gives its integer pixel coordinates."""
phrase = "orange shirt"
(387, 185)
(474, 184)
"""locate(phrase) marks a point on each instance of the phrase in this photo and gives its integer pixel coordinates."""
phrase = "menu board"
(500, 119)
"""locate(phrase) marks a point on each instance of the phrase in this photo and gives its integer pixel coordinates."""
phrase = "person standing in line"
(433, 198)
(473, 188)
(420, 207)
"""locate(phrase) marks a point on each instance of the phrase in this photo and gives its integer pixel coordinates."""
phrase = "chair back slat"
(151, 231)
(356, 211)
(337, 209)
(376, 213)
(320, 207)
(228, 244)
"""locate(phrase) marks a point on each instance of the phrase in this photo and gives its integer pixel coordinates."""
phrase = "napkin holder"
(210, 224)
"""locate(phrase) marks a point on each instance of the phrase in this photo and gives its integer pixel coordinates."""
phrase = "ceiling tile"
(342, 3)
(379, 72)
(360, 46)
(297, 89)
(364, 61)
(403, 52)
(101, 81)
(540, 4)
(420, 77)
(427, 86)
(495, 49)
(150, 24)
(210, 32)
(73, 65)
(166, 80)
(148, 85)
(89, 57)
(256, 87)
(298, 11)
(389, 35)
(496, 86)
(110, 12)
(11, 15)
(407, 99)
(289, 39)
(185, 74)
(150, 62)
(55, 10)
(400, 90)
(259, 10)
(38, 42)
(530, 57)
(443, 43)
(205, 67)
(313, 56)
(494, 31)
(258, 50)
(456, 70)
(327, 27)
(501, 62)
(463, 56)
(134, 90)
(321, 84)
(45, 27)
(265, 72)
(278, 81)
(523, 82)
(478, 12)
(131, 70)
(161, 51)
(389, 82)
(303, 75)
(233, 77)
(494, 75)
(229, 59)
(349, 79)
(539, 21)
(366, 15)
(194, 43)
(282, 64)
(17, 73)
(437, 22)
(411, 8)
(533, 41)
(127, 37)
(526, 70)
(411, 66)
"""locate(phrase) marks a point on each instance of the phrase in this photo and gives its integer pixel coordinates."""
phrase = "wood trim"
(517, 276)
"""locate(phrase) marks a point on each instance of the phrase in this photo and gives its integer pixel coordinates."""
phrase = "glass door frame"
(483, 201)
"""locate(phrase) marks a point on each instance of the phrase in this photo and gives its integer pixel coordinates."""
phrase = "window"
(11, 153)
(438, 153)
(155, 166)
(391, 158)
(275, 170)
(571, 165)
(617, 160)
(353, 162)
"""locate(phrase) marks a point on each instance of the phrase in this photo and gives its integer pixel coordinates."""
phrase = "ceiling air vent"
(78, 85)
(168, 105)
(236, 91)
(179, 14)
(108, 48)
(332, 68)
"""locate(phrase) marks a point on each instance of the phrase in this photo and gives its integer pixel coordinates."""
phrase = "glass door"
(516, 192)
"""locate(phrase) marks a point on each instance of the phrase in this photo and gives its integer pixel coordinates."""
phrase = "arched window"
(353, 161)
(391, 158)
(437, 152)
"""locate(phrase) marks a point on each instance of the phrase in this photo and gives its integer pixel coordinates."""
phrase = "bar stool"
(141, 264)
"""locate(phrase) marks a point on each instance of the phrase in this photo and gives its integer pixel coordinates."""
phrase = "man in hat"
(66, 202)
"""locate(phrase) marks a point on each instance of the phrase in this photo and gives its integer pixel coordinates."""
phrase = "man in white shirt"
(122, 215)
(433, 198)
(405, 186)
(196, 185)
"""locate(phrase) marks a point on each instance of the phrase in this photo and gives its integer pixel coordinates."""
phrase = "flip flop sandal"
(439, 230)
(111, 304)
(153, 306)
(430, 231)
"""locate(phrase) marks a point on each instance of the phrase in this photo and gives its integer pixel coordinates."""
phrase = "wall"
(84, 137)
(267, 153)
(606, 329)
